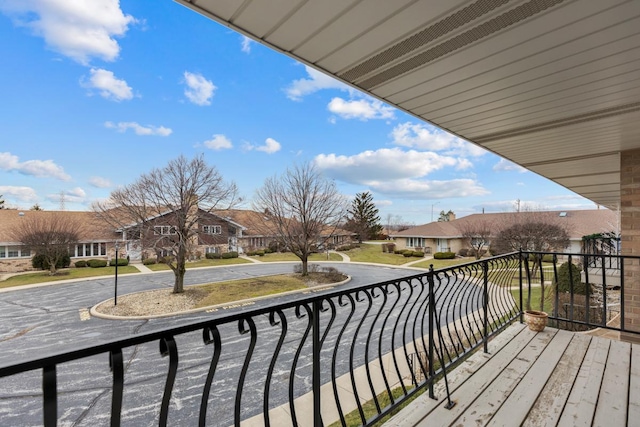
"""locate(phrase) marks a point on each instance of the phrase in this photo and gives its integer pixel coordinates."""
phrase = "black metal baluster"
(210, 335)
(366, 349)
(334, 357)
(117, 367)
(393, 336)
(294, 364)
(168, 348)
(413, 324)
(604, 291)
(50, 396)
(351, 350)
(386, 292)
(267, 384)
(243, 373)
(315, 365)
(404, 330)
(485, 305)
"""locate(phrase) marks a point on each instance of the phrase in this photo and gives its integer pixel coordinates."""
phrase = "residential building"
(447, 236)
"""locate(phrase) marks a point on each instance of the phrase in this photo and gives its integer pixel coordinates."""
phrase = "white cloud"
(427, 137)
(199, 90)
(383, 164)
(139, 129)
(77, 29)
(218, 142)
(246, 44)
(109, 86)
(361, 109)
(37, 168)
(505, 165)
(429, 190)
(316, 81)
(270, 146)
(22, 194)
(99, 182)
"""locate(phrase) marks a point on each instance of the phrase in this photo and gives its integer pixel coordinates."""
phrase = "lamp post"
(115, 298)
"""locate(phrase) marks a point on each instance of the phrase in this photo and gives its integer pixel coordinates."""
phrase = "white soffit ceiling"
(553, 85)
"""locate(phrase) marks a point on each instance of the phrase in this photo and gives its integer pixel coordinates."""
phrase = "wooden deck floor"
(548, 378)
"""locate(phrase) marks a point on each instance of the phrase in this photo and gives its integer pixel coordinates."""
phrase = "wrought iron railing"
(578, 291)
(382, 343)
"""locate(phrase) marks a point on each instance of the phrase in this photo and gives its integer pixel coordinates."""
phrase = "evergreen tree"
(363, 217)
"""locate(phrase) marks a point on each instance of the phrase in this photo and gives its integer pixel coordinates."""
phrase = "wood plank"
(515, 408)
(634, 386)
(491, 379)
(490, 399)
(548, 406)
(611, 409)
(581, 403)
(412, 414)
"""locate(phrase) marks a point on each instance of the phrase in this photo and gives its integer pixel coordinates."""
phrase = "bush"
(564, 281)
(166, 259)
(464, 252)
(97, 263)
(418, 254)
(398, 251)
(149, 261)
(212, 255)
(80, 264)
(234, 254)
(120, 261)
(408, 253)
(444, 255)
(39, 261)
(260, 253)
(226, 255)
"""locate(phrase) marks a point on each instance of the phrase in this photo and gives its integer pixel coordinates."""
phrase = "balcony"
(357, 355)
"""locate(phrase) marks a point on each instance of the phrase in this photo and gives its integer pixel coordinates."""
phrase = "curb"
(231, 304)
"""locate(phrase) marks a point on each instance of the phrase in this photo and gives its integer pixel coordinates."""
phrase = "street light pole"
(115, 298)
(432, 205)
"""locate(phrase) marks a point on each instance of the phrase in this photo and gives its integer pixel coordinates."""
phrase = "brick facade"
(630, 230)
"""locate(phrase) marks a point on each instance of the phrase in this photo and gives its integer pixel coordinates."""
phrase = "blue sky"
(95, 93)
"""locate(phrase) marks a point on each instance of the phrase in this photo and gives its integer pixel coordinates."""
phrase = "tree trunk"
(305, 261)
(178, 286)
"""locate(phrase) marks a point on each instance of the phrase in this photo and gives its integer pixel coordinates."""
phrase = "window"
(13, 252)
(3, 252)
(257, 242)
(212, 229)
(164, 230)
(415, 242)
(212, 250)
(90, 249)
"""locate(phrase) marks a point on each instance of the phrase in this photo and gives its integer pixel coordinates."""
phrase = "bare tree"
(176, 193)
(477, 235)
(303, 207)
(532, 231)
(49, 235)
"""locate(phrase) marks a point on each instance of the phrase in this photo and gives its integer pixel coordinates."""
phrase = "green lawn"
(201, 263)
(288, 256)
(536, 293)
(69, 273)
(442, 263)
(236, 290)
(373, 253)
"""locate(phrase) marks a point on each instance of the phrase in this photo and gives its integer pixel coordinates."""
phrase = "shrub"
(407, 253)
(260, 253)
(39, 261)
(149, 261)
(444, 255)
(398, 251)
(268, 251)
(212, 255)
(226, 255)
(464, 252)
(165, 259)
(119, 261)
(234, 254)
(418, 254)
(250, 253)
(80, 264)
(97, 263)
(564, 281)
